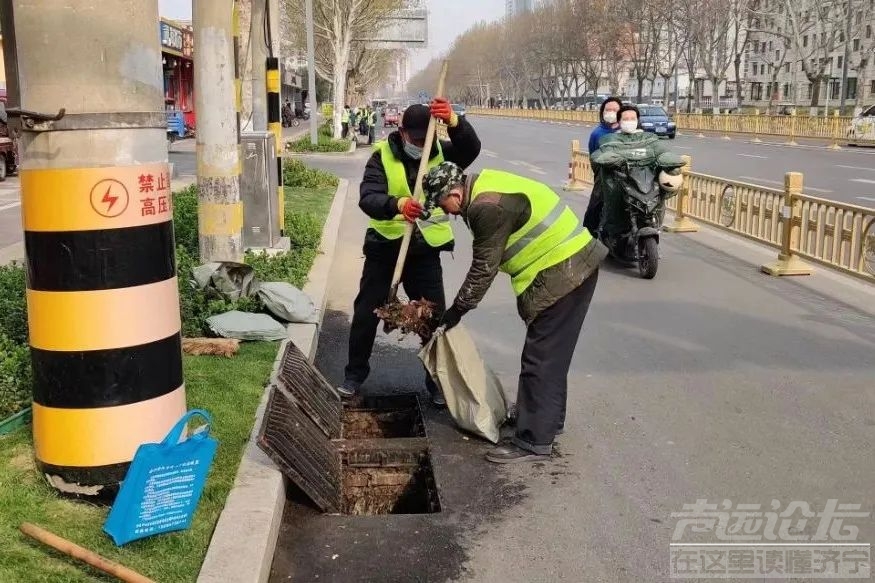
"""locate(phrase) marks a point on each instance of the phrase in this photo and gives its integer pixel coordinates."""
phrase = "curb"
(244, 540)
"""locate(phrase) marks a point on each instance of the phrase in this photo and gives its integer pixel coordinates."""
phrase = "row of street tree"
(566, 48)
(352, 68)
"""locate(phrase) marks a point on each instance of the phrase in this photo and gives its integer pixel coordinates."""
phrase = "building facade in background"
(515, 7)
(774, 56)
(177, 58)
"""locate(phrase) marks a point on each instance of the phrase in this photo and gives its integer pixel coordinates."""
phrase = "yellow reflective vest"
(436, 231)
(552, 234)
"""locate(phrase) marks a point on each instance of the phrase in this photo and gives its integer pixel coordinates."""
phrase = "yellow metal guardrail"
(837, 129)
(835, 234)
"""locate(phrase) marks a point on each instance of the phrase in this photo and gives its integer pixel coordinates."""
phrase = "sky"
(447, 19)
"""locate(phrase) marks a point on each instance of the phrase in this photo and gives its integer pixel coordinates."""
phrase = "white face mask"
(628, 126)
(610, 117)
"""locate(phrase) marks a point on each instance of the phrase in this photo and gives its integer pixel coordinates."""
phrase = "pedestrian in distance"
(522, 228)
(608, 124)
(386, 196)
(345, 117)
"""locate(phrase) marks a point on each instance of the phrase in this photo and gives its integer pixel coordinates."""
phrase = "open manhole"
(369, 458)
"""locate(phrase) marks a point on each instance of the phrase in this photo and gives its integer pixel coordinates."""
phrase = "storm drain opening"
(383, 417)
(370, 457)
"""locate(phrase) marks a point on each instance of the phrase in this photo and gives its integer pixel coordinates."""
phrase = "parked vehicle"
(177, 129)
(863, 126)
(459, 109)
(392, 117)
(655, 120)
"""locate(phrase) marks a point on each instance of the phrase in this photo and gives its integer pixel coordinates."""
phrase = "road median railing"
(801, 227)
(835, 128)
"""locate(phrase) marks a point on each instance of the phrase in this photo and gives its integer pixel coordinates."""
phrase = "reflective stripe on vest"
(552, 234)
(436, 231)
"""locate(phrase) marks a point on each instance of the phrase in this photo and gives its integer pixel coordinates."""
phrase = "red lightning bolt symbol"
(110, 199)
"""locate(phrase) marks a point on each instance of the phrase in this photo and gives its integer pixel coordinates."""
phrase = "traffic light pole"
(103, 305)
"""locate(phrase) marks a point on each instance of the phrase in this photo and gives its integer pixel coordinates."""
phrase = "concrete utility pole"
(103, 306)
(259, 50)
(220, 210)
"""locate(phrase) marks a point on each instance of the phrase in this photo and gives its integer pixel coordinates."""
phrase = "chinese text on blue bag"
(163, 484)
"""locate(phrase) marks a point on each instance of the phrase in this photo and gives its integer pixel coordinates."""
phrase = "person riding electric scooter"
(638, 175)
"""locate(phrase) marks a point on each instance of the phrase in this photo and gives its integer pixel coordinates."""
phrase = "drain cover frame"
(302, 451)
(312, 392)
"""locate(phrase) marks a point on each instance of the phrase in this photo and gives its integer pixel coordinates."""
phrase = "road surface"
(711, 382)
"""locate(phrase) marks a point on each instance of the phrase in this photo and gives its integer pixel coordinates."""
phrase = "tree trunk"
(815, 95)
(666, 94)
(862, 79)
(715, 95)
(640, 88)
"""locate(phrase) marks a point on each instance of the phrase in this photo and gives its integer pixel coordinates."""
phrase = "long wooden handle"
(417, 191)
(69, 548)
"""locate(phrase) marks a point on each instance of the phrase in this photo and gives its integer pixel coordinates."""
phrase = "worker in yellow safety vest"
(386, 196)
(524, 229)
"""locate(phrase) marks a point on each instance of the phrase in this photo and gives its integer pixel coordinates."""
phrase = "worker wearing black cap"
(386, 197)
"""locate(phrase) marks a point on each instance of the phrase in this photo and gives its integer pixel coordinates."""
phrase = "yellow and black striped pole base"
(103, 315)
(275, 126)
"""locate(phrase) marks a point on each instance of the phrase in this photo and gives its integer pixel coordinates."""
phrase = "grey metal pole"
(311, 73)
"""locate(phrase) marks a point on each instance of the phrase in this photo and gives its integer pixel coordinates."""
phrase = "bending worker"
(521, 227)
(386, 197)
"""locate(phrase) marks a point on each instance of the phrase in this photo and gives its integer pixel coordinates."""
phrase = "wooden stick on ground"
(417, 193)
(68, 548)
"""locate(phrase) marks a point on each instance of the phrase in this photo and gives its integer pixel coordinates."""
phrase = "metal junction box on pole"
(258, 187)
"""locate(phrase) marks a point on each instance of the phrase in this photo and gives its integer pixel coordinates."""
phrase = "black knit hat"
(415, 121)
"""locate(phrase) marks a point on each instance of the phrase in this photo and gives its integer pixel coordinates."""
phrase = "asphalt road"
(712, 382)
(846, 175)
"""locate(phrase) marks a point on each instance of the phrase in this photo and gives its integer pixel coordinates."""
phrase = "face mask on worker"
(610, 117)
(412, 150)
(628, 126)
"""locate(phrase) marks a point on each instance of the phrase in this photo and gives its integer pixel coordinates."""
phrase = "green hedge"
(296, 174)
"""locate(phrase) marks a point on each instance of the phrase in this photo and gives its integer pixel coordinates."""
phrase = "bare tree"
(673, 40)
(713, 35)
(338, 24)
(641, 39)
(862, 46)
(812, 28)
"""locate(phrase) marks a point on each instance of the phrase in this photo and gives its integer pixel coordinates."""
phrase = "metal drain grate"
(301, 449)
(313, 393)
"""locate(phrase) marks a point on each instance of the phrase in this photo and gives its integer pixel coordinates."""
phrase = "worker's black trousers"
(543, 388)
(422, 279)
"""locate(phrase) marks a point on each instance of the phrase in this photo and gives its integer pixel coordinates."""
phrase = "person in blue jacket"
(609, 124)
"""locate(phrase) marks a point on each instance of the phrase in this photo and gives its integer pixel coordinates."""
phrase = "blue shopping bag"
(163, 485)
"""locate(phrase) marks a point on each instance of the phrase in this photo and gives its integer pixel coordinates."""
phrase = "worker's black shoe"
(508, 453)
(349, 389)
(438, 400)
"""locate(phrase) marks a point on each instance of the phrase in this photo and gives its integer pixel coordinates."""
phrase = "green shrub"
(185, 219)
(16, 378)
(290, 266)
(296, 174)
(325, 144)
(13, 303)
